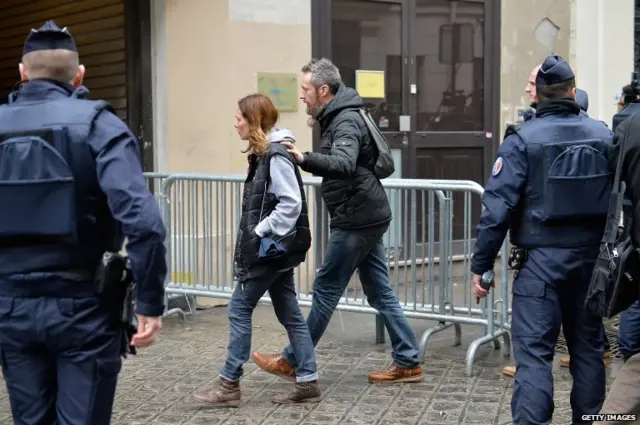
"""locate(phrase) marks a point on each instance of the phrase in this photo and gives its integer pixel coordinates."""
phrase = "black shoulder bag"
(614, 282)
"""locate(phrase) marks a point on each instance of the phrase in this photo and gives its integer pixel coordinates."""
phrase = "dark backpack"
(383, 167)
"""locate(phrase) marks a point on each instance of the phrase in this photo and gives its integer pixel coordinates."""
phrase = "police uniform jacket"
(71, 188)
(550, 184)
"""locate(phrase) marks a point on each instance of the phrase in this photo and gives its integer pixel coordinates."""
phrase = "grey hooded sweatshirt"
(284, 185)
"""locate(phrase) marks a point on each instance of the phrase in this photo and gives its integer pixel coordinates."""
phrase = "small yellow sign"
(370, 84)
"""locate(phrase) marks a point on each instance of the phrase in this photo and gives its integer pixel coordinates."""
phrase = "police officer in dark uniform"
(70, 180)
(630, 102)
(550, 187)
(629, 330)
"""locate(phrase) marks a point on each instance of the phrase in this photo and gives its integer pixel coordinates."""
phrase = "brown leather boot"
(397, 374)
(275, 364)
(565, 361)
(509, 371)
(303, 392)
(223, 393)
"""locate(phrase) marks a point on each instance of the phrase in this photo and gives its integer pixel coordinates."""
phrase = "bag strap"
(617, 187)
(617, 194)
(368, 120)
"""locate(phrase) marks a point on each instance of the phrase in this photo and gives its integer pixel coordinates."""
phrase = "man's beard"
(314, 113)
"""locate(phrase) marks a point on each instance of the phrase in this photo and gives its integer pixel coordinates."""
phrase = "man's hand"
(148, 329)
(478, 290)
(294, 151)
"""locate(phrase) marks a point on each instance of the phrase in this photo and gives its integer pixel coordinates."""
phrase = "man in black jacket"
(360, 215)
(624, 394)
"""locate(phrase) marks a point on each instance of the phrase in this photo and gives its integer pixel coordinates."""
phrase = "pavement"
(156, 386)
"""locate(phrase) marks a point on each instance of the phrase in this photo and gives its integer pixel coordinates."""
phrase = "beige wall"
(212, 60)
(208, 54)
(521, 51)
(602, 52)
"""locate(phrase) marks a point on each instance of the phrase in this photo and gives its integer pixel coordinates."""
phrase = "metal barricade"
(155, 182)
(202, 215)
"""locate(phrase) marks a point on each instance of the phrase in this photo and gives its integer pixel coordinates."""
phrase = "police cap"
(49, 37)
(553, 70)
(582, 99)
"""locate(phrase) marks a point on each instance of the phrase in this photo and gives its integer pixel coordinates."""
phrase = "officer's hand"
(148, 329)
(478, 290)
(294, 151)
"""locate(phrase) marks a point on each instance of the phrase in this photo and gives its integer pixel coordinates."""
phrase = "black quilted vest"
(257, 203)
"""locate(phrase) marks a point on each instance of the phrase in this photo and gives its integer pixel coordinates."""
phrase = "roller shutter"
(98, 27)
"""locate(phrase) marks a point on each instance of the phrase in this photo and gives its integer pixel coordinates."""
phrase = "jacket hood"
(280, 134)
(582, 98)
(345, 98)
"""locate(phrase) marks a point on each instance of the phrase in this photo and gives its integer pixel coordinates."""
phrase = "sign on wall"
(281, 88)
(283, 12)
(370, 84)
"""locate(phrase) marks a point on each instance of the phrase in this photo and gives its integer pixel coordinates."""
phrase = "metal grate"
(610, 328)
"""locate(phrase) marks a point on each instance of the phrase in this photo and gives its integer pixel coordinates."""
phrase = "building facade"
(442, 77)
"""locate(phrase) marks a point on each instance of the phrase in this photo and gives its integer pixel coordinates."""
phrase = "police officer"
(70, 179)
(582, 98)
(628, 335)
(550, 187)
(629, 103)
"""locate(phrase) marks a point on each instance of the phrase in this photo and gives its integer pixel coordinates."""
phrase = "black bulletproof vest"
(53, 215)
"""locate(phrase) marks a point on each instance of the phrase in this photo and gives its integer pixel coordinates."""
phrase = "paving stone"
(156, 387)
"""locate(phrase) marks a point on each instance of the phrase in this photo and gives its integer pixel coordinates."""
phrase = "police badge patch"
(497, 167)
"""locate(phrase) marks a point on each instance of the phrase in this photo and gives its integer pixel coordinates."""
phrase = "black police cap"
(49, 37)
(553, 70)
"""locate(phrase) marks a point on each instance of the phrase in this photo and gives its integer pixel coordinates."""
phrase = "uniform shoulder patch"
(497, 167)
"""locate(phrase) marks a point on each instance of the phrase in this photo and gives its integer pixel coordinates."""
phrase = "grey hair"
(323, 72)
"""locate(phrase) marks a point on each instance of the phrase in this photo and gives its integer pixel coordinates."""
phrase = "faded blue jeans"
(629, 331)
(361, 250)
(285, 304)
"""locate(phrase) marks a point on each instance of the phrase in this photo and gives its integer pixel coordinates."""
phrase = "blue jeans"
(285, 304)
(629, 332)
(361, 250)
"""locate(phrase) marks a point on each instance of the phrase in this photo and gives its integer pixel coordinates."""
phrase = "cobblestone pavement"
(156, 386)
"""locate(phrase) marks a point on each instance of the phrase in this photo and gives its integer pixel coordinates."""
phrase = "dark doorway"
(114, 43)
(440, 60)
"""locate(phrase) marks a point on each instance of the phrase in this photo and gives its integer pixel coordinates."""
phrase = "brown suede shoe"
(303, 392)
(509, 371)
(275, 364)
(565, 361)
(223, 393)
(397, 374)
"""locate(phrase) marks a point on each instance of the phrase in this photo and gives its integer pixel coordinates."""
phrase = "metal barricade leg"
(165, 209)
(175, 311)
(491, 336)
(445, 279)
(437, 329)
